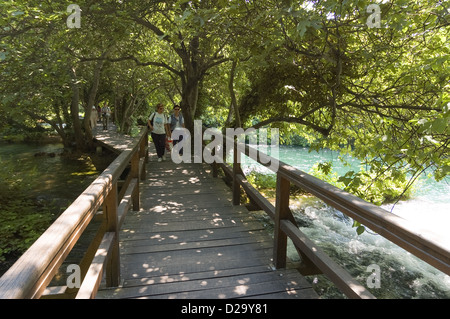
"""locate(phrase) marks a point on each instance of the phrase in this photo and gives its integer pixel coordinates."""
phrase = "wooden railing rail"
(35, 269)
(420, 242)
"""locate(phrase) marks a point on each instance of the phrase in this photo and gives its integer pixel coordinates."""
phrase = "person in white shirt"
(158, 125)
(93, 120)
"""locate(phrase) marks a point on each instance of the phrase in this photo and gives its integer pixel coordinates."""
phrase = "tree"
(33, 86)
(380, 92)
(198, 33)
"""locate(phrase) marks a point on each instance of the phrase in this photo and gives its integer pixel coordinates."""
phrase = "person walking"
(157, 124)
(176, 122)
(106, 113)
(93, 119)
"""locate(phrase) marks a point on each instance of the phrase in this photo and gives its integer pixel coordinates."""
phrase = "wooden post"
(135, 174)
(143, 153)
(110, 212)
(215, 168)
(146, 145)
(236, 170)
(281, 212)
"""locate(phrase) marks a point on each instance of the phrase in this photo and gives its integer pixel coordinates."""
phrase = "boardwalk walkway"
(189, 241)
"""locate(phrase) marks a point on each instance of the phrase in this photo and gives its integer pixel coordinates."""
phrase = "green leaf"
(360, 230)
(302, 27)
(439, 125)
(186, 14)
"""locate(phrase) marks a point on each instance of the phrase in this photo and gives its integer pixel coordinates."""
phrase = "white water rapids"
(402, 274)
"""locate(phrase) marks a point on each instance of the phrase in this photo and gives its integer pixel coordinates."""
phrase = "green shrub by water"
(22, 219)
(393, 185)
(389, 187)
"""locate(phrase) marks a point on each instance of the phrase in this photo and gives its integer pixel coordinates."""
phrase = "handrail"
(420, 242)
(34, 270)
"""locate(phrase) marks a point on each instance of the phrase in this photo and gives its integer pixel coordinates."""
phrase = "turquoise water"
(402, 274)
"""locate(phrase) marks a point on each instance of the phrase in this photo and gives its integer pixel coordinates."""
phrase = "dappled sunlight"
(241, 290)
(161, 224)
(189, 242)
(158, 209)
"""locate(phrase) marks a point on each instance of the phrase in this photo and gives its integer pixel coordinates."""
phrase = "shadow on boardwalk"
(189, 241)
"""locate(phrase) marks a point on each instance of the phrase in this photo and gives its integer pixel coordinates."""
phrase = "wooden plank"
(175, 215)
(233, 292)
(190, 212)
(177, 277)
(30, 275)
(182, 226)
(234, 285)
(113, 140)
(187, 199)
(211, 188)
(138, 249)
(196, 236)
(198, 255)
(143, 270)
(93, 277)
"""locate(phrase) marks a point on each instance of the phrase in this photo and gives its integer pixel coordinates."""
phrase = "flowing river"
(402, 275)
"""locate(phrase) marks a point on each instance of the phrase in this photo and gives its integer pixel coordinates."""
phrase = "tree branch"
(136, 60)
(323, 131)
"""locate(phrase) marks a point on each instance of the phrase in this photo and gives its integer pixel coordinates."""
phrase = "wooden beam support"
(281, 212)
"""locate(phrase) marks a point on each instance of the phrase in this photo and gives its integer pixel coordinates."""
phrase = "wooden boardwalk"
(111, 139)
(188, 241)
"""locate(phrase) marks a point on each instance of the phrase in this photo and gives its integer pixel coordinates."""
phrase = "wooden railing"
(32, 273)
(420, 242)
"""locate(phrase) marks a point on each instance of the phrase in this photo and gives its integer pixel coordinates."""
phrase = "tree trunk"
(91, 101)
(74, 110)
(234, 103)
(189, 101)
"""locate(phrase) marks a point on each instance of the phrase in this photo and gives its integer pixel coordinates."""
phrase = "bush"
(378, 189)
(262, 181)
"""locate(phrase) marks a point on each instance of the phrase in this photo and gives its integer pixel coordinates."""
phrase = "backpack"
(152, 117)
